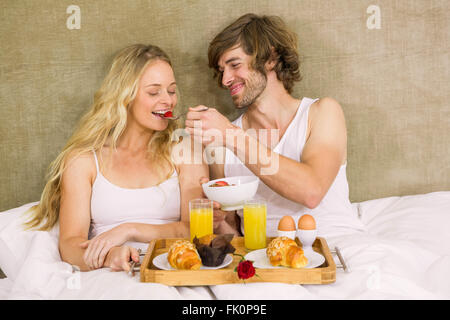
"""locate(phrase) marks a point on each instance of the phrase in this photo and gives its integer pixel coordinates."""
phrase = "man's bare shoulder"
(327, 125)
(325, 108)
(326, 105)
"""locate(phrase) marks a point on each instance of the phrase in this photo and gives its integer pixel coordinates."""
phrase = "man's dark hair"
(265, 38)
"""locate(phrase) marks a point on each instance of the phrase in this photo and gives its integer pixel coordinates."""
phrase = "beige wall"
(392, 82)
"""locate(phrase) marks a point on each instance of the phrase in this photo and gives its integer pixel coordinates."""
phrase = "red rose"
(245, 269)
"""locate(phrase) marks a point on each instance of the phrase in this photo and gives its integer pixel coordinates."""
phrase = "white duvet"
(403, 254)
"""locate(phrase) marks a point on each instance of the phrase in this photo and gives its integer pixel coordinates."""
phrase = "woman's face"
(156, 94)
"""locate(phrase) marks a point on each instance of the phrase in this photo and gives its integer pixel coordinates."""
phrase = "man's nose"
(227, 78)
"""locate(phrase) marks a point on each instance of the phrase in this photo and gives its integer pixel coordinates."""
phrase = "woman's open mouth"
(163, 113)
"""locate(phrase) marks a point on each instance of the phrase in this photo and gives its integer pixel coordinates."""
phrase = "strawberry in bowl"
(231, 192)
(220, 183)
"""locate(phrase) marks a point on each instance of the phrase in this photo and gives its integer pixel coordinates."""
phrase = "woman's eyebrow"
(158, 84)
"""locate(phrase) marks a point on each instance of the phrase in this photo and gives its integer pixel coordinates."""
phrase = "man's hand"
(208, 126)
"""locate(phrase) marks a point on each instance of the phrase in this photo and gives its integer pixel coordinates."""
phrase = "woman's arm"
(216, 160)
(75, 219)
(74, 212)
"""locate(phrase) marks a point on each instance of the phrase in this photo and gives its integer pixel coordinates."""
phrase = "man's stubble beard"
(254, 86)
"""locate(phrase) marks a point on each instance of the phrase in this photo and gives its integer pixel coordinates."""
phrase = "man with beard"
(297, 147)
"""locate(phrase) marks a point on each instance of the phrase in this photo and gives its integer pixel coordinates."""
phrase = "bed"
(404, 253)
(377, 59)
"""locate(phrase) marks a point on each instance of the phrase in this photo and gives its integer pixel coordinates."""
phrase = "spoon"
(183, 114)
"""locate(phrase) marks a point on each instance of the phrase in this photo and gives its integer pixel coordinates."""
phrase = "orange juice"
(201, 218)
(255, 215)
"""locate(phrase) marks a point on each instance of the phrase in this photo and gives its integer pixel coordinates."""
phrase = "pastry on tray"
(283, 251)
(213, 249)
(183, 255)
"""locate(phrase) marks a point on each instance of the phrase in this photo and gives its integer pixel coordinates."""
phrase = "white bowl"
(232, 197)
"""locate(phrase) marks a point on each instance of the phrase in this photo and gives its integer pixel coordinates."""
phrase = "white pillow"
(15, 241)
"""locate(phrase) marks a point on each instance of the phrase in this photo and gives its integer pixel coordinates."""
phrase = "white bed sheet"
(404, 254)
(5, 288)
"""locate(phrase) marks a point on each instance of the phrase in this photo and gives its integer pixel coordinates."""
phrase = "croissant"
(183, 255)
(283, 251)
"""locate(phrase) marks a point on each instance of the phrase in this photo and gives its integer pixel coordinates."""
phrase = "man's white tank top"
(334, 215)
(112, 205)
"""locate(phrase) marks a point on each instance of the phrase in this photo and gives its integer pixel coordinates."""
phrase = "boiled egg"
(306, 222)
(286, 223)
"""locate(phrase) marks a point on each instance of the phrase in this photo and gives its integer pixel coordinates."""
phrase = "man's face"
(244, 83)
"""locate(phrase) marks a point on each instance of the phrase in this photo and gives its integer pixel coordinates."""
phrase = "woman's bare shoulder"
(80, 165)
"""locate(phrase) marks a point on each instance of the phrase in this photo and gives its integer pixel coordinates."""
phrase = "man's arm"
(308, 181)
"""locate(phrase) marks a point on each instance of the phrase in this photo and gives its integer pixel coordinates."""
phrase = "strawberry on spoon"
(168, 114)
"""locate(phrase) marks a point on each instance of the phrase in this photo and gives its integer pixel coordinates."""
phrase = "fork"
(131, 271)
(183, 114)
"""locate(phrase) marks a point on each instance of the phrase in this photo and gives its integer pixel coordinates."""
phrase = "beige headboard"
(387, 63)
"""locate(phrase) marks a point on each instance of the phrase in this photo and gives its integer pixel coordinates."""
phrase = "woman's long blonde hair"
(105, 122)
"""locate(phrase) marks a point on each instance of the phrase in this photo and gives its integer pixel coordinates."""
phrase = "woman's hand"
(118, 258)
(226, 222)
(219, 222)
(98, 247)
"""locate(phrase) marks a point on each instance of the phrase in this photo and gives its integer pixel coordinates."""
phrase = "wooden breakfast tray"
(324, 274)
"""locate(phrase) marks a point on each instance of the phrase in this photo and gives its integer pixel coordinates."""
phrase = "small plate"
(161, 262)
(260, 259)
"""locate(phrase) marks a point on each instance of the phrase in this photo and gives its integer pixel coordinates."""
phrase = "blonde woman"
(115, 183)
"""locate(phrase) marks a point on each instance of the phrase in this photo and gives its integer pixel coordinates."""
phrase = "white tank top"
(112, 205)
(334, 215)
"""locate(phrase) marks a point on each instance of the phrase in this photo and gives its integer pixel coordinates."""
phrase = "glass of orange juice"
(255, 215)
(200, 217)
